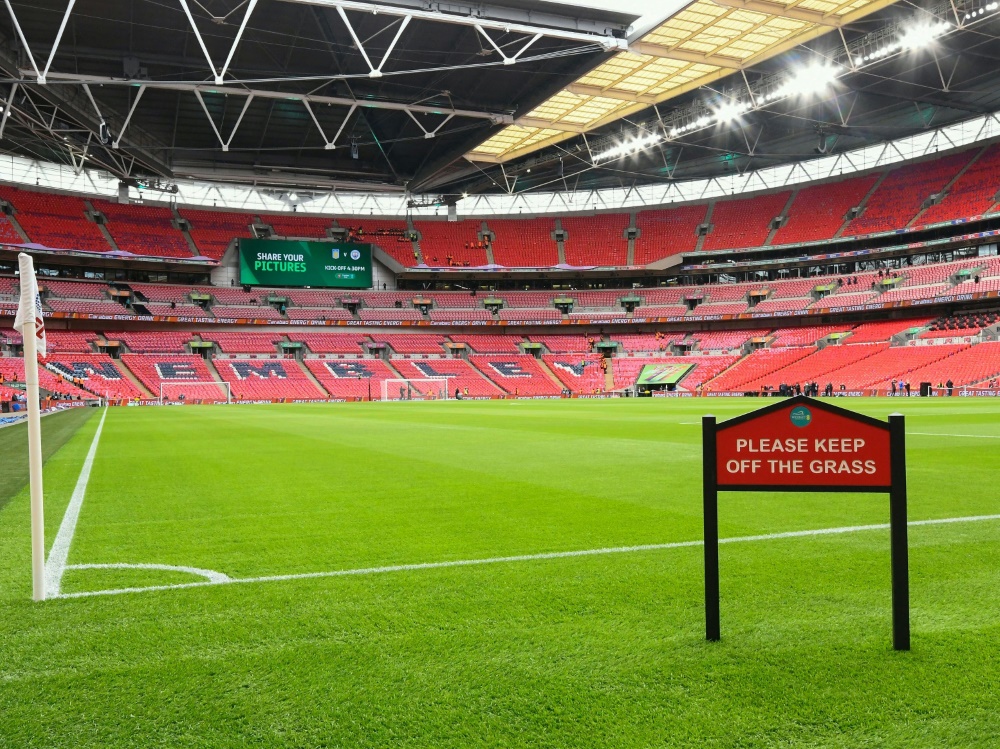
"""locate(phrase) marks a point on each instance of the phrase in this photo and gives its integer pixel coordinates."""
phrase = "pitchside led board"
(276, 262)
(806, 445)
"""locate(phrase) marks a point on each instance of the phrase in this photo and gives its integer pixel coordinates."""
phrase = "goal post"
(193, 391)
(415, 389)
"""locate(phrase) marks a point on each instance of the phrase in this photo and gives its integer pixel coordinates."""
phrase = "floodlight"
(293, 196)
(921, 35)
(729, 111)
(811, 79)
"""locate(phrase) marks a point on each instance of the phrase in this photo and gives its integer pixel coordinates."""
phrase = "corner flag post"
(30, 324)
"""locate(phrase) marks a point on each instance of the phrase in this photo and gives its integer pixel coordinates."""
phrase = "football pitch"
(487, 574)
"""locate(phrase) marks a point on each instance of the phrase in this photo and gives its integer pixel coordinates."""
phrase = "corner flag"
(30, 306)
(30, 324)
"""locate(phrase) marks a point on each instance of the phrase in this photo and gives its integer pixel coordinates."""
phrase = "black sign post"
(801, 444)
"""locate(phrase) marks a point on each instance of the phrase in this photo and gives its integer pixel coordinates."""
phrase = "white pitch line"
(55, 565)
(975, 436)
(519, 558)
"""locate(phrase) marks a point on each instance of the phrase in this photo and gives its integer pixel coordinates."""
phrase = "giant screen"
(275, 262)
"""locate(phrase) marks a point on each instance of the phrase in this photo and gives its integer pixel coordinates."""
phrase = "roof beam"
(584, 89)
(497, 118)
(550, 125)
(565, 27)
(672, 53)
(780, 10)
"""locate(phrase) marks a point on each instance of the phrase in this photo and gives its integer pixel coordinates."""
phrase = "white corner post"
(28, 333)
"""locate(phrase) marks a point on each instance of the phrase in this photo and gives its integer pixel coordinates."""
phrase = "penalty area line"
(517, 558)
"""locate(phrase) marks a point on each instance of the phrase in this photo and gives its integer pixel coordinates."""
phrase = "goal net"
(192, 391)
(423, 389)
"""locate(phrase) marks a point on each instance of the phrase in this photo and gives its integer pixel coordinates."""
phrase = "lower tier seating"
(517, 375)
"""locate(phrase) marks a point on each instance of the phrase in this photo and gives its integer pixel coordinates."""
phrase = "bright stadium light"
(730, 110)
(629, 147)
(921, 35)
(812, 79)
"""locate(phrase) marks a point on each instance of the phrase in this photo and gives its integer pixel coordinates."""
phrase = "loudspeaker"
(925, 389)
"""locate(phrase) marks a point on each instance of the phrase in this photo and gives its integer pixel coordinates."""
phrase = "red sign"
(811, 444)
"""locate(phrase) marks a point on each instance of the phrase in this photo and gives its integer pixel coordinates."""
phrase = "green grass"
(598, 651)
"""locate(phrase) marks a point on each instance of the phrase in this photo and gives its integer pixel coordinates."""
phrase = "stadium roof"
(439, 98)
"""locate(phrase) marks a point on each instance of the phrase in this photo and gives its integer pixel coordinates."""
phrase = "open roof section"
(701, 42)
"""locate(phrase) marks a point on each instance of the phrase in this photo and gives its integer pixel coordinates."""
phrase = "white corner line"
(55, 565)
(210, 575)
(500, 560)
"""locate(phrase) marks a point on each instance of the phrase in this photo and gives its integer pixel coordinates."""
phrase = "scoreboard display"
(274, 262)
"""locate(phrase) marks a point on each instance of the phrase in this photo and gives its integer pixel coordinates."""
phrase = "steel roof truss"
(219, 75)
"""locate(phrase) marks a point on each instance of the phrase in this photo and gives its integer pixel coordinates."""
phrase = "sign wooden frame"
(878, 465)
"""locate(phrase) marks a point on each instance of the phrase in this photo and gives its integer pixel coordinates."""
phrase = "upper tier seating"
(99, 372)
(972, 194)
(597, 313)
(901, 195)
(596, 240)
(463, 313)
(782, 305)
(884, 330)
(489, 344)
(744, 223)
(807, 336)
(244, 343)
(527, 315)
(390, 314)
(517, 375)
(391, 236)
(311, 297)
(720, 308)
(176, 310)
(74, 289)
(580, 373)
(292, 225)
(667, 232)
(260, 312)
(633, 342)
(69, 341)
(148, 342)
(253, 379)
(143, 229)
(176, 372)
(819, 211)
(233, 295)
(726, 340)
(87, 308)
(448, 243)
(563, 344)
(162, 293)
(212, 231)
(419, 343)
(55, 220)
(315, 313)
(446, 300)
(524, 242)
(461, 374)
(351, 378)
(845, 300)
(597, 299)
(331, 343)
